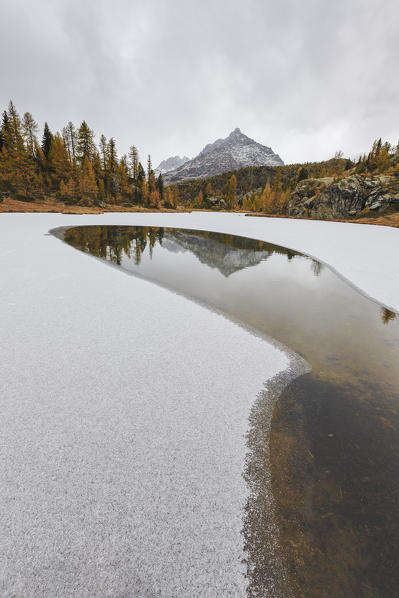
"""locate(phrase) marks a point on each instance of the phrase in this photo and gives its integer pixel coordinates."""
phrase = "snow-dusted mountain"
(236, 151)
(170, 164)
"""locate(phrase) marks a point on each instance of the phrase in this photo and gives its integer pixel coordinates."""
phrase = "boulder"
(216, 203)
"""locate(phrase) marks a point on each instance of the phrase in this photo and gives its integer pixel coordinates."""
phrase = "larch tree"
(134, 162)
(123, 177)
(175, 196)
(88, 185)
(199, 200)
(30, 128)
(69, 135)
(103, 151)
(152, 182)
(112, 156)
(155, 199)
(143, 193)
(267, 199)
(58, 161)
(15, 130)
(231, 191)
(168, 198)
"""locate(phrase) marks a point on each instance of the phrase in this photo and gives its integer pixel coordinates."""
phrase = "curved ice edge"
(59, 233)
(297, 363)
(273, 565)
(266, 400)
(255, 237)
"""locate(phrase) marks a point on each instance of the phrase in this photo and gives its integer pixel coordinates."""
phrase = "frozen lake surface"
(124, 410)
(334, 459)
(122, 461)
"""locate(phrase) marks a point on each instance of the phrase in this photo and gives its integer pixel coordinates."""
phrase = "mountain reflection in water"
(227, 253)
(334, 441)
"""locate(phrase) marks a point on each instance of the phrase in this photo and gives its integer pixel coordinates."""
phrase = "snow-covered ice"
(124, 409)
(123, 415)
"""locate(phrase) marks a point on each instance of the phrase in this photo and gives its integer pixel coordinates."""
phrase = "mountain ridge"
(170, 163)
(233, 152)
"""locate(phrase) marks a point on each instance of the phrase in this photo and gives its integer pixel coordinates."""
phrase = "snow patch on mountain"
(170, 164)
(236, 151)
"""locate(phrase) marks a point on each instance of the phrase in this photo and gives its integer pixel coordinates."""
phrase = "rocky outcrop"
(236, 151)
(342, 198)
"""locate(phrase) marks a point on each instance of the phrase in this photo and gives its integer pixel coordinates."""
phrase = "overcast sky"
(306, 77)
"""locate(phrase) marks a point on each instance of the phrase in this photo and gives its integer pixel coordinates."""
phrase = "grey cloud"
(306, 78)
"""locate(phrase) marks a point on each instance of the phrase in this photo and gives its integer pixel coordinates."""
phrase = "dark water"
(335, 432)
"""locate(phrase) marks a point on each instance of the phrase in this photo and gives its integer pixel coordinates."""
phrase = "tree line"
(383, 158)
(256, 188)
(267, 189)
(68, 166)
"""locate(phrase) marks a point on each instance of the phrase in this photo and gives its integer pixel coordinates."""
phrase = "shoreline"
(13, 206)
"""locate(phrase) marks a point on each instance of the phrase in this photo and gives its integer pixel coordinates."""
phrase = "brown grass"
(382, 220)
(15, 205)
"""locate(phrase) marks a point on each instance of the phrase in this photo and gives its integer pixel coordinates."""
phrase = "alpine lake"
(333, 447)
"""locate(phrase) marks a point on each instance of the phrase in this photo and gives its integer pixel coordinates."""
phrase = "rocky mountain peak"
(236, 134)
(170, 164)
(235, 151)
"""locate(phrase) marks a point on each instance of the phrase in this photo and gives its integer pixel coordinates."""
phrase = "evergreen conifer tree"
(4, 129)
(301, 174)
(85, 146)
(141, 172)
(46, 141)
(149, 168)
(160, 185)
